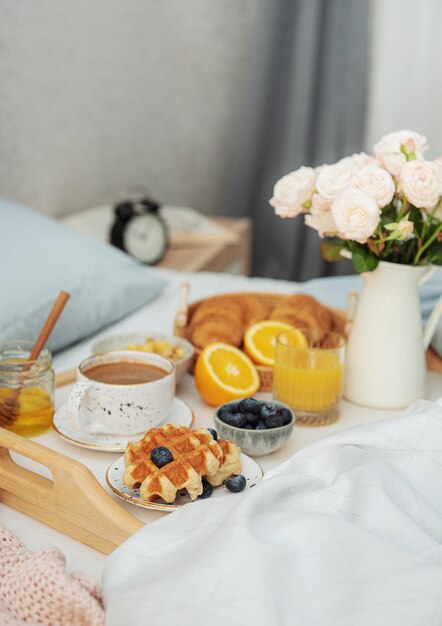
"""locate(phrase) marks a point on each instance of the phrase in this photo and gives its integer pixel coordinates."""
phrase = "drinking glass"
(309, 378)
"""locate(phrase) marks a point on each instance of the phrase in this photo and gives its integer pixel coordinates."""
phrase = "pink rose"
(406, 228)
(438, 161)
(356, 214)
(377, 182)
(388, 149)
(421, 183)
(400, 230)
(292, 191)
(361, 159)
(322, 221)
(320, 203)
(332, 179)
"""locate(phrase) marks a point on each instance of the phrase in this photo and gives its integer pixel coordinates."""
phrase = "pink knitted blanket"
(36, 590)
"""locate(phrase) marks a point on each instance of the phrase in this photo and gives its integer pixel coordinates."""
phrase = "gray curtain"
(304, 104)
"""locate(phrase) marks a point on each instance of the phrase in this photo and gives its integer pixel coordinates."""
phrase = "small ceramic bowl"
(120, 342)
(255, 442)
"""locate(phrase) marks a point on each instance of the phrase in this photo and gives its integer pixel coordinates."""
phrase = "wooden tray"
(73, 502)
(183, 320)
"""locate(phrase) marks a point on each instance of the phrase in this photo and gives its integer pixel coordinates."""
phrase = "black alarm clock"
(140, 230)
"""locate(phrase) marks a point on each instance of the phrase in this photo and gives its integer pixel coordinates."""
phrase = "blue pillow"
(41, 257)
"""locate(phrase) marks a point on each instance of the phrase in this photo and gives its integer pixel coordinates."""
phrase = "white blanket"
(348, 532)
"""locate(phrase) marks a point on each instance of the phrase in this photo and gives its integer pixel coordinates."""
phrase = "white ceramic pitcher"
(385, 360)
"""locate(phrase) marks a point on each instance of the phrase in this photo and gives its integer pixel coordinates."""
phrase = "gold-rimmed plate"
(180, 414)
(251, 470)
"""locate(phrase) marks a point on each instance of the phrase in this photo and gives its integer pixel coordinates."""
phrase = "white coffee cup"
(121, 409)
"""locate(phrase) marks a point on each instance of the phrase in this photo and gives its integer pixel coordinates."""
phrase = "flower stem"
(427, 224)
(402, 212)
(427, 244)
(403, 209)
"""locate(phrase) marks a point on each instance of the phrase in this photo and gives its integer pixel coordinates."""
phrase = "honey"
(34, 411)
(35, 404)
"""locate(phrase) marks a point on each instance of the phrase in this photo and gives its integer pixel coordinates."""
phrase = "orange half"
(224, 373)
(260, 340)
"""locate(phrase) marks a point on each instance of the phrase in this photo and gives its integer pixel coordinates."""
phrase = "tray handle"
(73, 503)
(183, 310)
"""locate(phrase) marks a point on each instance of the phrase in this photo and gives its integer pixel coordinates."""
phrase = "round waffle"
(195, 455)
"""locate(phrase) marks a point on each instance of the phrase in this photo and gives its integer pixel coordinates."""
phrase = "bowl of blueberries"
(258, 428)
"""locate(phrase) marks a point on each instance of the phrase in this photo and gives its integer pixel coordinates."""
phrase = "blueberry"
(252, 419)
(207, 490)
(274, 421)
(261, 425)
(249, 427)
(161, 456)
(249, 405)
(233, 407)
(236, 483)
(223, 409)
(286, 415)
(226, 417)
(239, 420)
(213, 432)
(266, 411)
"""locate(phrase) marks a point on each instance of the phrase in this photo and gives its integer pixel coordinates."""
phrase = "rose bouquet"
(383, 207)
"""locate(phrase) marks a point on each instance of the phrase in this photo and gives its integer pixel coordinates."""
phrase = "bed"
(159, 315)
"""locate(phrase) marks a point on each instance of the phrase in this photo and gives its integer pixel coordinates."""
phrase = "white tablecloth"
(159, 315)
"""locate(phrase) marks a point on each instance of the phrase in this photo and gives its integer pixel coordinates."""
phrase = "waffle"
(230, 463)
(195, 454)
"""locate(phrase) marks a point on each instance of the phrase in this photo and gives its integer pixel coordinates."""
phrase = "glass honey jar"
(33, 409)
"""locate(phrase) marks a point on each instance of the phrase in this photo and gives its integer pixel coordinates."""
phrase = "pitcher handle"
(352, 304)
(426, 275)
(432, 323)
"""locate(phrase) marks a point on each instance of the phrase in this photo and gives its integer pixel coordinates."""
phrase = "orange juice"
(308, 376)
(309, 379)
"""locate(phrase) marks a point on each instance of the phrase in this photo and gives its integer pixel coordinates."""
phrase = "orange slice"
(260, 340)
(224, 373)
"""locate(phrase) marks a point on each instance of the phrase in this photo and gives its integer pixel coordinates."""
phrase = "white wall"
(405, 89)
(97, 95)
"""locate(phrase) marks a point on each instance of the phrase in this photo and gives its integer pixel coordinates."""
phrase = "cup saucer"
(180, 413)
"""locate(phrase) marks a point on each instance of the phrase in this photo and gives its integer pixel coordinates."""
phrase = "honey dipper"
(9, 406)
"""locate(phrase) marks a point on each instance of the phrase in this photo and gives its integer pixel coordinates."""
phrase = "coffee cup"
(121, 393)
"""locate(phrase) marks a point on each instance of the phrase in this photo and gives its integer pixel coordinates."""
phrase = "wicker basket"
(183, 321)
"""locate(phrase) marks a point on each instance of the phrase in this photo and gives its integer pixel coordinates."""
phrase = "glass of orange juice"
(308, 375)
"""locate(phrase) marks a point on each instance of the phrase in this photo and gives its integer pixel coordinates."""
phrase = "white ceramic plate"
(120, 342)
(180, 414)
(252, 472)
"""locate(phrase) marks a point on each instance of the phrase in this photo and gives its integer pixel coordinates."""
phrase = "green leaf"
(388, 213)
(331, 250)
(435, 257)
(363, 260)
(416, 218)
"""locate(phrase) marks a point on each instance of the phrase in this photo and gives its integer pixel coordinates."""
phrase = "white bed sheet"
(347, 533)
(159, 315)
